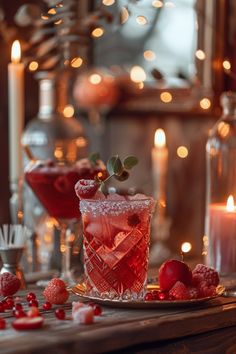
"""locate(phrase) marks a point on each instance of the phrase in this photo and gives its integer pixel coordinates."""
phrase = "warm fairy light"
(230, 204)
(108, 2)
(95, 79)
(33, 66)
(186, 247)
(141, 20)
(182, 152)
(226, 65)
(58, 22)
(223, 129)
(159, 138)
(205, 103)
(76, 62)
(149, 55)
(124, 15)
(68, 111)
(157, 3)
(140, 85)
(52, 11)
(81, 142)
(15, 52)
(137, 74)
(200, 54)
(100, 174)
(44, 17)
(169, 4)
(97, 32)
(166, 97)
(58, 153)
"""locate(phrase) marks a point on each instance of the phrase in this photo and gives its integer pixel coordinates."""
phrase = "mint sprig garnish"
(118, 169)
(94, 157)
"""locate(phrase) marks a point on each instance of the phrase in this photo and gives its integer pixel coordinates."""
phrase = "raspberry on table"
(9, 284)
(56, 292)
(86, 188)
(206, 290)
(179, 291)
(193, 292)
(208, 274)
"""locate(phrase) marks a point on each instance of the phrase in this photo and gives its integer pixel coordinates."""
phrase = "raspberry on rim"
(86, 188)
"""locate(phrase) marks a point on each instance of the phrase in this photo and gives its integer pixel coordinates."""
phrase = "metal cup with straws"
(12, 241)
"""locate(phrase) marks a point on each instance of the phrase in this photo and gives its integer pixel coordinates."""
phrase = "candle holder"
(219, 241)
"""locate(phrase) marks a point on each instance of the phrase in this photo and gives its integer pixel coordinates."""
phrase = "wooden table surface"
(173, 330)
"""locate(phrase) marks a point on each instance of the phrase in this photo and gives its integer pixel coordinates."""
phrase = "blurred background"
(130, 68)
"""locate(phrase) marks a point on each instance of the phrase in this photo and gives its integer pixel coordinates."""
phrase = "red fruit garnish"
(33, 312)
(9, 303)
(33, 303)
(133, 220)
(30, 296)
(9, 284)
(19, 313)
(86, 188)
(179, 291)
(155, 295)
(206, 290)
(26, 323)
(60, 314)
(148, 297)
(47, 305)
(92, 304)
(17, 306)
(162, 296)
(2, 323)
(56, 292)
(172, 271)
(2, 307)
(202, 272)
(97, 310)
(193, 292)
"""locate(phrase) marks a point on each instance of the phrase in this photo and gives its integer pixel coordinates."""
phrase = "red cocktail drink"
(116, 245)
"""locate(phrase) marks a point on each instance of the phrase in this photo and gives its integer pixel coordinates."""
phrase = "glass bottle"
(219, 241)
(49, 136)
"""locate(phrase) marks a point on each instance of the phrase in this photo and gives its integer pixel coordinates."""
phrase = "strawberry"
(9, 284)
(179, 291)
(207, 274)
(172, 271)
(56, 292)
(86, 188)
(24, 323)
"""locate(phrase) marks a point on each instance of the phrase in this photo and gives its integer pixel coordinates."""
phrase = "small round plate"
(80, 290)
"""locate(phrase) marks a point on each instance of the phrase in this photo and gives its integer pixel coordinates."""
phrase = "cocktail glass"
(53, 183)
(116, 246)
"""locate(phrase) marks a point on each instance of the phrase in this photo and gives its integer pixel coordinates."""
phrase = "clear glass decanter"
(220, 223)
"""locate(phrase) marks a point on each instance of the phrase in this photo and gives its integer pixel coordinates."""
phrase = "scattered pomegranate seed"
(2, 307)
(60, 314)
(148, 297)
(162, 296)
(155, 294)
(9, 303)
(92, 304)
(47, 305)
(30, 296)
(34, 303)
(18, 306)
(19, 313)
(33, 312)
(97, 310)
(2, 323)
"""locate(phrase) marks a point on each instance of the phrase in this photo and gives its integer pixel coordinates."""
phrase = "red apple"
(172, 271)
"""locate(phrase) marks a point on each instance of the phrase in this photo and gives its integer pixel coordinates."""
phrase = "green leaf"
(114, 166)
(103, 188)
(94, 157)
(124, 176)
(129, 162)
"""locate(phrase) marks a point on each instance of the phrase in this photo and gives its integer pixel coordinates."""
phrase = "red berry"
(97, 310)
(9, 284)
(19, 313)
(155, 295)
(9, 303)
(162, 296)
(60, 314)
(17, 306)
(172, 271)
(179, 291)
(193, 292)
(207, 274)
(2, 323)
(86, 188)
(92, 304)
(33, 303)
(30, 296)
(206, 290)
(2, 307)
(56, 292)
(148, 297)
(47, 305)
(33, 312)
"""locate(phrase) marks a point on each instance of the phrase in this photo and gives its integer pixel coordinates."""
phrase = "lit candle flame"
(15, 52)
(186, 247)
(160, 138)
(230, 203)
